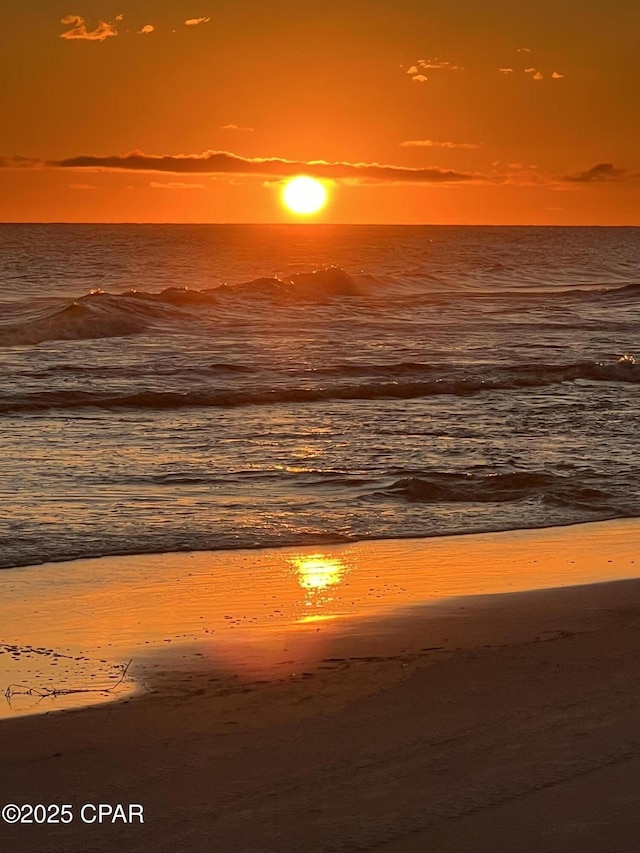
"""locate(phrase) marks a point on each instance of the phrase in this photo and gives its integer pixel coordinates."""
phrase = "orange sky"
(515, 113)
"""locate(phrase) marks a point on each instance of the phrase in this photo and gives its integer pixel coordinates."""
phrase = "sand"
(462, 694)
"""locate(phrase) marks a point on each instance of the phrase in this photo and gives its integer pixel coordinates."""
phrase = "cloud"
(416, 71)
(535, 74)
(432, 143)
(15, 162)
(79, 29)
(175, 185)
(224, 163)
(83, 187)
(72, 21)
(217, 164)
(148, 28)
(193, 22)
(438, 64)
(524, 50)
(237, 127)
(599, 172)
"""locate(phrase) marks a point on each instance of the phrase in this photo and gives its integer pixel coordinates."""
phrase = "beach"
(319, 428)
(493, 713)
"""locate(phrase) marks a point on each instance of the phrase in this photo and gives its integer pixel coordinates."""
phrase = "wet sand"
(392, 696)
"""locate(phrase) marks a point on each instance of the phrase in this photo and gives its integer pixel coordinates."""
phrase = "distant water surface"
(202, 387)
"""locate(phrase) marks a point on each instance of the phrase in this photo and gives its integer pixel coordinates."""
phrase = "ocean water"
(170, 388)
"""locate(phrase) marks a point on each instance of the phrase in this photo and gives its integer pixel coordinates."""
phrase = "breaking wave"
(104, 315)
(97, 315)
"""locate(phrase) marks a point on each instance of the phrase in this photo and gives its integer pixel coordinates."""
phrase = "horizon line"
(328, 224)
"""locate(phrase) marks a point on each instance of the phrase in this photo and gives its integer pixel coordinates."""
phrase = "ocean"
(182, 388)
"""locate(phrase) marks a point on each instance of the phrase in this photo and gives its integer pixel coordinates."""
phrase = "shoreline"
(321, 543)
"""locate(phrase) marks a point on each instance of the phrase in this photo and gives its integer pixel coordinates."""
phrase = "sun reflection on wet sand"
(317, 572)
(318, 575)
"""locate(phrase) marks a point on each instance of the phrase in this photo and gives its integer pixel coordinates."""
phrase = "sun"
(304, 195)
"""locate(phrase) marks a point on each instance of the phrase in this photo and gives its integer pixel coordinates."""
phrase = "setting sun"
(304, 195)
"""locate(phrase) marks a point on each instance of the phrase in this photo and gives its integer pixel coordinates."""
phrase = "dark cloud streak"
(223, 162)
(599, 172)
(275, 168)
(15, 162)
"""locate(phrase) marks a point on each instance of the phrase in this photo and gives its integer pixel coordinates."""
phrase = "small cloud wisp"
(416, 71)
(79, 29)
(237, 127)
(175, 185)
(432, 143)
